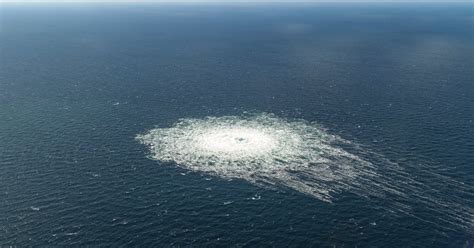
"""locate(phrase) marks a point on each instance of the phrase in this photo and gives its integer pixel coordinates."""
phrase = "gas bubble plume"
(269, 151)
(261, 149)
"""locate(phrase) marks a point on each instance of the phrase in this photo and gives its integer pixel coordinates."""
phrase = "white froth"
(269, 151)
(261, 149)
(236, 141)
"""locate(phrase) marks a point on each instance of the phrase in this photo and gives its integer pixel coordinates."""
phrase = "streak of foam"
(269, 151)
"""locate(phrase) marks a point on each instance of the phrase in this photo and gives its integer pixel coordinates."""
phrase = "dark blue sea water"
(78, 83)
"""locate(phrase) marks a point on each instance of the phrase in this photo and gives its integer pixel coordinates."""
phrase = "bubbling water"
(240, 141)
(261, 149)
(273, 152)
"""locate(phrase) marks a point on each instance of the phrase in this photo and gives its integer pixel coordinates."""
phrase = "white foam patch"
(269, 151)
(261, 149)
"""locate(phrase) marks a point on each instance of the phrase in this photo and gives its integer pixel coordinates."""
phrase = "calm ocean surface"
(79, 82)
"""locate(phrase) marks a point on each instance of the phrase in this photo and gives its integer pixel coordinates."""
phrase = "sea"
(80, 81)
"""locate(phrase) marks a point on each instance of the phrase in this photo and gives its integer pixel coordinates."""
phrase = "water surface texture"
(323, 125)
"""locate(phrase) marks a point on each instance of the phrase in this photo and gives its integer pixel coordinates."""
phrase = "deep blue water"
(79, 82)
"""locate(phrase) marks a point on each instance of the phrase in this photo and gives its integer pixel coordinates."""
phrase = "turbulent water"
(246, 125)
(266, 150)
(261, 149)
